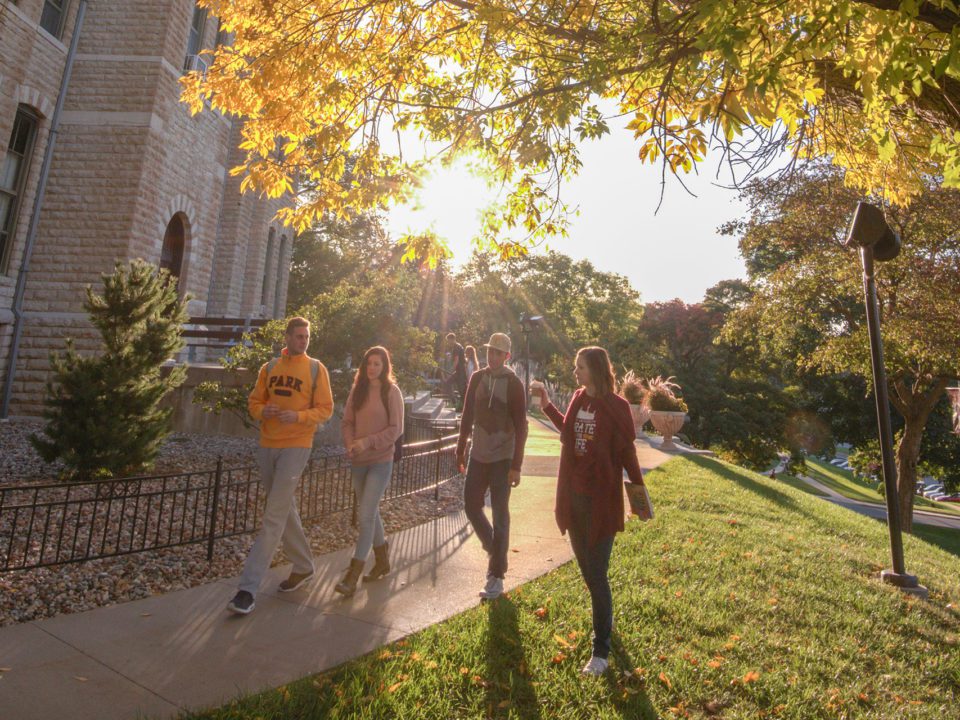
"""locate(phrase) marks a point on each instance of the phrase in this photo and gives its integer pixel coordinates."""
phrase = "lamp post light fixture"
(872, 236)
(528, 323)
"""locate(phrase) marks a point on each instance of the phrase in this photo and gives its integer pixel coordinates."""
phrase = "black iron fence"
(51, 524)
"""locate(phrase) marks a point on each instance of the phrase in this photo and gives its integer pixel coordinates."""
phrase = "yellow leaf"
(750, 677)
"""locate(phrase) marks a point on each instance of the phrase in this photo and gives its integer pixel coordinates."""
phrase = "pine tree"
(103, 411)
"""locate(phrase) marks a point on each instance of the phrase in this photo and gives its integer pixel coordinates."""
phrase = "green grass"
(801, 485)
(943, 537)
(744, 598)
(849, 485)
(541, 440)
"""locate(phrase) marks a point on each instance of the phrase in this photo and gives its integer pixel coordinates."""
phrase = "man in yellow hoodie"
(291, 398)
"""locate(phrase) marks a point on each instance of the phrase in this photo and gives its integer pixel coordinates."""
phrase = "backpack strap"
(272, 364)
(314, 374)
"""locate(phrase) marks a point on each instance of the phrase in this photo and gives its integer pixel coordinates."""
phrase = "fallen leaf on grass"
(715, 663)
(430, 664)
(714, 707)
(665, 680)
(393, 688)
(464, 670)
(558, 658)
(562, 641)
(750, 677)
(540, 612)
(505, 704)
(385, 655)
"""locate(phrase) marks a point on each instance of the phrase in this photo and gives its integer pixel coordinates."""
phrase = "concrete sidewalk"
(163, 655)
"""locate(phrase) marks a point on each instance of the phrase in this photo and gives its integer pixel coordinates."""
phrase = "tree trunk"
(915, 405)
(908, 454)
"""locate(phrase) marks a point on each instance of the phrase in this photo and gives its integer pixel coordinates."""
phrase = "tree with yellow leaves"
(872, 84)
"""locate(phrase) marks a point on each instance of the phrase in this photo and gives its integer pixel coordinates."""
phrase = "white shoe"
(596, 666)
(493, 589)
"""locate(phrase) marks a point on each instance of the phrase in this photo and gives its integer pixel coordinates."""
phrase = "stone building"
(132, 175)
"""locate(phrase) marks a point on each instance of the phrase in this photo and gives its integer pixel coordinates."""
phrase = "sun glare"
(449, 203)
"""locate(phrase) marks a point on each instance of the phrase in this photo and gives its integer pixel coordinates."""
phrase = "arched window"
(278, 286)
(174, 240)
(13, 177)
(267, 270)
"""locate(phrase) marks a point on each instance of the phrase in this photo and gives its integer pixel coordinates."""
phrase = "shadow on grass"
(761, 489)
(629, 698)
(509, 689)
(946, 538)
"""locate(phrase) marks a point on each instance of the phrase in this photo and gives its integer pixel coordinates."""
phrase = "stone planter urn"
(640, 414)
(667, 423)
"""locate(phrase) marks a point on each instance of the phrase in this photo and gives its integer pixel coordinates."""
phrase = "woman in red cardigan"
(596, 437)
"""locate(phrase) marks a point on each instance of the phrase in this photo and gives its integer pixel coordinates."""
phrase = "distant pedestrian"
(596, 437)
(292, 396)
(470, 352)
(494, 412)
(456, 379)
(372, 424)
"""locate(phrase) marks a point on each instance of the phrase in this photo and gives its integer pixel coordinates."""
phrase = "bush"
(103, 412)
(633, 389)
(661, 395)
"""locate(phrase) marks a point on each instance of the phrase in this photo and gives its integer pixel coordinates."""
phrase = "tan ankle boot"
(381, 565)
(348, 586)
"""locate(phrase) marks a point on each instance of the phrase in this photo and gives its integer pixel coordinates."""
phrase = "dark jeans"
(594, 562)
(494, 538)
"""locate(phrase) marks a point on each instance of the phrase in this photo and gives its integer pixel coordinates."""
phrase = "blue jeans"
(494, 538)
(594, 562)
(369, 484)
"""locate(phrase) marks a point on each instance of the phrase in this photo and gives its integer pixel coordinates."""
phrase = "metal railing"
(52, 524)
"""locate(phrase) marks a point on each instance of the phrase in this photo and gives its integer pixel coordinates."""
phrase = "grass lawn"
(799, 484)
(744, 598)
(849, 485)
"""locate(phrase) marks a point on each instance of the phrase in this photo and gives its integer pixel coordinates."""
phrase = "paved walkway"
(879, 512)
(162, 655)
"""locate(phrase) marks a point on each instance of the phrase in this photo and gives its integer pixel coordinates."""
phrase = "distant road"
(879, 511)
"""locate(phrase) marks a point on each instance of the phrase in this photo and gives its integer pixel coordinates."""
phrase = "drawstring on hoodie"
(492, 388)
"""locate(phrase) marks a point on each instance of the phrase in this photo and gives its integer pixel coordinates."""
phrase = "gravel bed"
(45, 592)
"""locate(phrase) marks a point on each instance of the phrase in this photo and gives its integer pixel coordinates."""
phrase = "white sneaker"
(596, 666)
(493, 589)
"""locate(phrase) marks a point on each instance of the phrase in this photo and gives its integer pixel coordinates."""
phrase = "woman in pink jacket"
(372, 423)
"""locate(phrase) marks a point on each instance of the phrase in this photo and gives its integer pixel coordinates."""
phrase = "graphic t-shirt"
(584, 434)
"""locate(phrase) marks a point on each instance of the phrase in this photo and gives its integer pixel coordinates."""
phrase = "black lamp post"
(527, 325)
(875, 240)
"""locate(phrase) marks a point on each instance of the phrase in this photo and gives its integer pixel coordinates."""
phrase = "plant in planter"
(634, 391)
(667, 411)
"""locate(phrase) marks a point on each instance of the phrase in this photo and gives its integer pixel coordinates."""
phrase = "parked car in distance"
(837, 462)
(951, 498)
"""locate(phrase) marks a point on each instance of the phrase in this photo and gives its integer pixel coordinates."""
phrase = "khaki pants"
(280, 471)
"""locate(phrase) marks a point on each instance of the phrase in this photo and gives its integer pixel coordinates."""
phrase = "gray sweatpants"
(280, 471)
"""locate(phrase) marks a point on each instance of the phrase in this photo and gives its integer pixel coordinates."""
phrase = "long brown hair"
(601, 371)
(361, 383)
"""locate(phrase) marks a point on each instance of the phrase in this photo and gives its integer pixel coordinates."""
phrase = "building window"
(171, 255)
(51, 20)
(193, 61)
(13, 176)
(267, 271)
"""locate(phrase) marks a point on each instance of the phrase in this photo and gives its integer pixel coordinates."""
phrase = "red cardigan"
(614, 453)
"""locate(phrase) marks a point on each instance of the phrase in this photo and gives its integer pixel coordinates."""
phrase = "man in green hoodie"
(495, 413)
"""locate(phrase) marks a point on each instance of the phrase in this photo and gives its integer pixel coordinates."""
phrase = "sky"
(675, 252)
